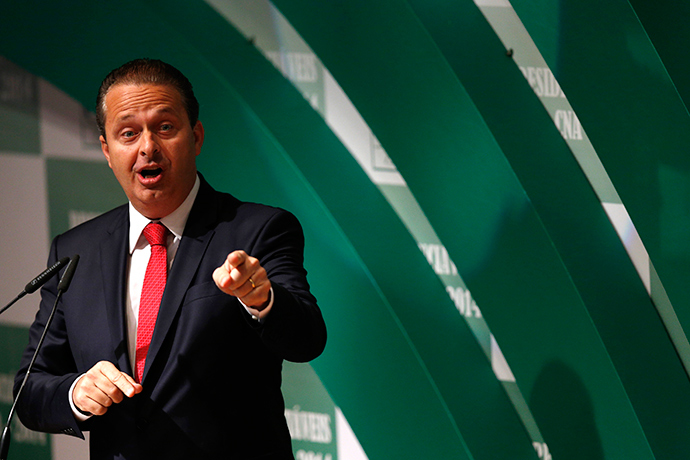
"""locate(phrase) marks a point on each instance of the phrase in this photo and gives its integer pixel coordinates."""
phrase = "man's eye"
(166, 127)
(128, 134)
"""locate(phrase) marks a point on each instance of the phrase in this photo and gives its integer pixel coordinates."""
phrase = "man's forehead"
(125, 100)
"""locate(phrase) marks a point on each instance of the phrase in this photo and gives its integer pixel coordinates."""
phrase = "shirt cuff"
(79, 415)
(257, 315)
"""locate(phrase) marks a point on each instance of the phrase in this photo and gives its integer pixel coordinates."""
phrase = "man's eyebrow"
(125, 117)
(161, 110)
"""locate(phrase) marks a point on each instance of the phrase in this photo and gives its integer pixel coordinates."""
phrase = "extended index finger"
(235, 259)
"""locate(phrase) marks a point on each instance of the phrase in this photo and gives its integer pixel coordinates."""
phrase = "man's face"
(151, 146)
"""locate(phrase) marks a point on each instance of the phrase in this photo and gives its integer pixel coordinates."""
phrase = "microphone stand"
(62, 287)
(21, 294)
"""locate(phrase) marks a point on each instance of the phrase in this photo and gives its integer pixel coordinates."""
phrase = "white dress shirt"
(139, 254)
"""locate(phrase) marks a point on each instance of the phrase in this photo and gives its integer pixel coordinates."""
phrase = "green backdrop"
(509, 130)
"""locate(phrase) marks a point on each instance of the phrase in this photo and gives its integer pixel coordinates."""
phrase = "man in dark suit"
(235, 305)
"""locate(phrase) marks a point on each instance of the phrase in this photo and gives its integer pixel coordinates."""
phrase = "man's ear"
(105, 149)
(198, 136)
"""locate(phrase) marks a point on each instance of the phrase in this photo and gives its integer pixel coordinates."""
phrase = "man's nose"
(149, 145)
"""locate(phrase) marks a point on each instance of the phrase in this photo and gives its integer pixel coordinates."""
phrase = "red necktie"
(151, 292)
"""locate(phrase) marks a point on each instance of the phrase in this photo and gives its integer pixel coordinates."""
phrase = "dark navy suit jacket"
(212, 377)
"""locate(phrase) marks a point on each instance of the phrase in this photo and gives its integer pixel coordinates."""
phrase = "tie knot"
(155, 233)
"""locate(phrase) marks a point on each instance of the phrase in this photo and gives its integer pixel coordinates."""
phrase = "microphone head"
(66, 279)
(41, 279)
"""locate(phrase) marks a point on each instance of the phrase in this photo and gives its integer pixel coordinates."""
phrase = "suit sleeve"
(294, 329)
(44, 404)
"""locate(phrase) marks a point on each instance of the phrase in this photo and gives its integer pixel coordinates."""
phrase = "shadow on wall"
(561, 402)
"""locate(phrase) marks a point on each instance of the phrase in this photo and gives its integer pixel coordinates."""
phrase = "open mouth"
(150, 173)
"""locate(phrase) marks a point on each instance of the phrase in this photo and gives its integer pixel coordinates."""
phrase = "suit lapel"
(197, 234)
(113, 254)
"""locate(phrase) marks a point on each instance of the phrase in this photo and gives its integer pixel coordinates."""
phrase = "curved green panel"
(402, 365)
(665, 23)
(554, 267)
(640, 349)
(638, 124)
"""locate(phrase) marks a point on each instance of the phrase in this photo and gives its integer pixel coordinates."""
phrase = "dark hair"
(147, 71)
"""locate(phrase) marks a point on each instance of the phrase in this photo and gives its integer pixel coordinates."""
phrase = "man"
(205, 382)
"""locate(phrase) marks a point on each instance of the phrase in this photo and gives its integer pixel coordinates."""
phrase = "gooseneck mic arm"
(63, 285)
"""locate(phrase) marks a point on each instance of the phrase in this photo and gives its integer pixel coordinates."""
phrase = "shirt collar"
(175, 221)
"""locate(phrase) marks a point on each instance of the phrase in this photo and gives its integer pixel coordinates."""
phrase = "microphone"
(66, 279)
(39, 281)
(62, 287)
